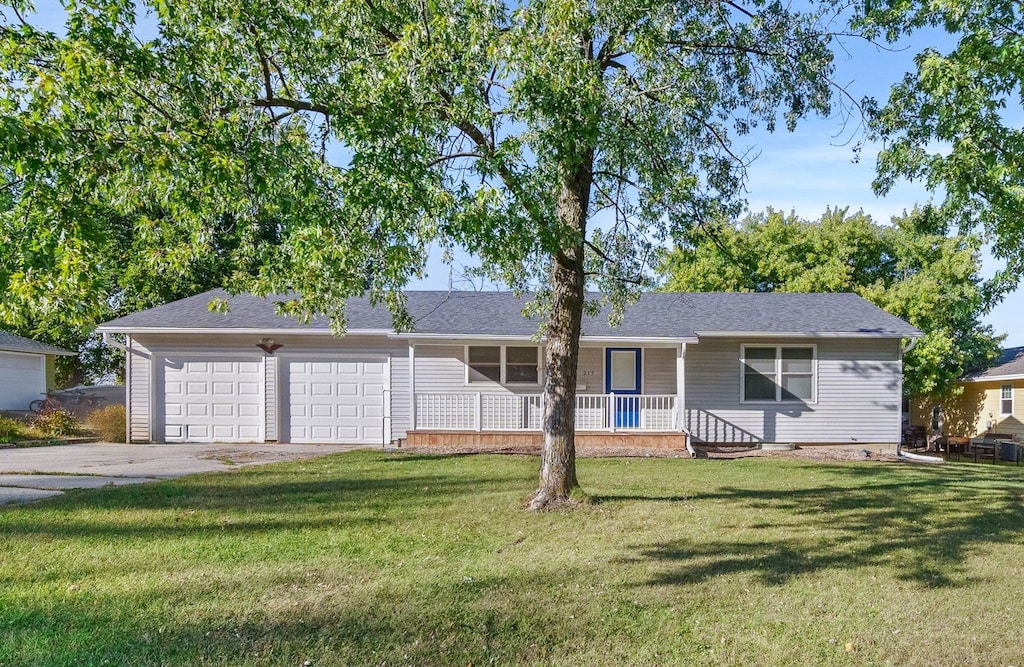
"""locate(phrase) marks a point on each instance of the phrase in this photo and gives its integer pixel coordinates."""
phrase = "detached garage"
(26, 370)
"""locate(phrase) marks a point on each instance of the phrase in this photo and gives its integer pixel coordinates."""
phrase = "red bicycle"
(45, 405)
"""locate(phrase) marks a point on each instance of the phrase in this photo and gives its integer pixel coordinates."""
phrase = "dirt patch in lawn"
(583, 451)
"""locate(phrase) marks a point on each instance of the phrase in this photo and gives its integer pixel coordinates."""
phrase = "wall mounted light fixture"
(268, 345)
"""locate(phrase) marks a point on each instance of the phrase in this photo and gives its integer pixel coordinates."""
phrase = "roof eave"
(256, 331)
(436, 337)
(995, 378)
(806, 334)
(59, 352)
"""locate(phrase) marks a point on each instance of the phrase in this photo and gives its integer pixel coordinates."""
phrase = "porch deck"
(492, 439)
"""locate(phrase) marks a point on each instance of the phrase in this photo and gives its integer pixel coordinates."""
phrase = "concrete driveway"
(40, 472)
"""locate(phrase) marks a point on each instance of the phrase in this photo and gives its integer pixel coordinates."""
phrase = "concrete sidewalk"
(40, 472)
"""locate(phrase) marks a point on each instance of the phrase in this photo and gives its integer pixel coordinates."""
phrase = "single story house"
(26, 370)
(714, 367)
(992, 401)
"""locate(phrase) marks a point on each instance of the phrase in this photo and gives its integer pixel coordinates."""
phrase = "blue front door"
(622, 378)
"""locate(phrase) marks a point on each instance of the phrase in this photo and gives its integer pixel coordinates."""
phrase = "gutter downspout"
(118, 345)
(918, 458)
(113, 342)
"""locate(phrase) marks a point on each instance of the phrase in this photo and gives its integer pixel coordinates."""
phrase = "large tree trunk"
(558, 456)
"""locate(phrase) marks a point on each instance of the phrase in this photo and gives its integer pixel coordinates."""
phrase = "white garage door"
(337, 401)
(213, 400)
(21, 380)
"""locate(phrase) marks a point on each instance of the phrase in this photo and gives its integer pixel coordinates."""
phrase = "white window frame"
(778, 374)
(1003, 399)
(503, 373)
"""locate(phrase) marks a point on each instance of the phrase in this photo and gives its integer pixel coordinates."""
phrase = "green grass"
(371, 559)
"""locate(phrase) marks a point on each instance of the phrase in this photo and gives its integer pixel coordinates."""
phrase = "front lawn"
(374, 559)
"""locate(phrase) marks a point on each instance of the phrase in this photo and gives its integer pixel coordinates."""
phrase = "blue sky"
(808, 170)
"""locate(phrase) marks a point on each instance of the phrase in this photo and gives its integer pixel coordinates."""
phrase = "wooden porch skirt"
(670, 440)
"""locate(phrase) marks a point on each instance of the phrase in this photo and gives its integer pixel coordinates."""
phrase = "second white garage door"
(339, 401)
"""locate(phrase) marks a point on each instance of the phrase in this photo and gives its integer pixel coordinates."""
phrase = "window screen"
(484, 364)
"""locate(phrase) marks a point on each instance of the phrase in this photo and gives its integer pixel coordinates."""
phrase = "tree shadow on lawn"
(925, 522)
(314, 617)
(256, 500)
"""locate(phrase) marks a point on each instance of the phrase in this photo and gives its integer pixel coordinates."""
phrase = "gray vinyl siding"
(858, 395)
(400, 410)
(271, 400)
(659, 370)
(590, 371)
(138, 392)
(440, 370)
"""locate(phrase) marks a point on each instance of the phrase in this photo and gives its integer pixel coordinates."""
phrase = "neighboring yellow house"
(992, 402)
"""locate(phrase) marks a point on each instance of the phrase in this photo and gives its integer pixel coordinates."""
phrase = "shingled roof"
(465, 314)
(12, 343)
(1010, 364)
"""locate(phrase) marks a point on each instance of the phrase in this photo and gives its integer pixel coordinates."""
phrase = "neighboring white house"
(718, 368)
(26, 370)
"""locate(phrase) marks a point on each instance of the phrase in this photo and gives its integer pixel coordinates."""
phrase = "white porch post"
(127, 387)
(610, 397)
(412, 387)
(681, 388)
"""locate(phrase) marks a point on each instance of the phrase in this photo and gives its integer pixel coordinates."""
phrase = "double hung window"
(778, 373)
(1006, 399)
(484, 363)
(504, 364)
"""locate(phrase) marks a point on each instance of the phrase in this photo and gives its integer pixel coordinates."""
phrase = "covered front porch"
(511, 420)
(492, 395)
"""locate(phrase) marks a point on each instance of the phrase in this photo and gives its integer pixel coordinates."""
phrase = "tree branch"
(724, 48)
(380, 28)
(741, 10)
(294, 105)
(454, 156)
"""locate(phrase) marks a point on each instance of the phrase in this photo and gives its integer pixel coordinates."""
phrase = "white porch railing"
(523, 412)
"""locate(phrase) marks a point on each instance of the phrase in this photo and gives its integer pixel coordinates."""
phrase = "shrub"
(109, 422)
(11, 430)
(56, 422)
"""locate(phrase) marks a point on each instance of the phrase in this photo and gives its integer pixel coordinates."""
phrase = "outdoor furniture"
(913, 436)
(956, 446)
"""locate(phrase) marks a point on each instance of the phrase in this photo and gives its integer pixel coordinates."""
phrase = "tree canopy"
(956, 123)
(927, 277)
(559, 141)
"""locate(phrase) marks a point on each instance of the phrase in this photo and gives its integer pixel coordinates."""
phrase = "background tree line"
(913, 268)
